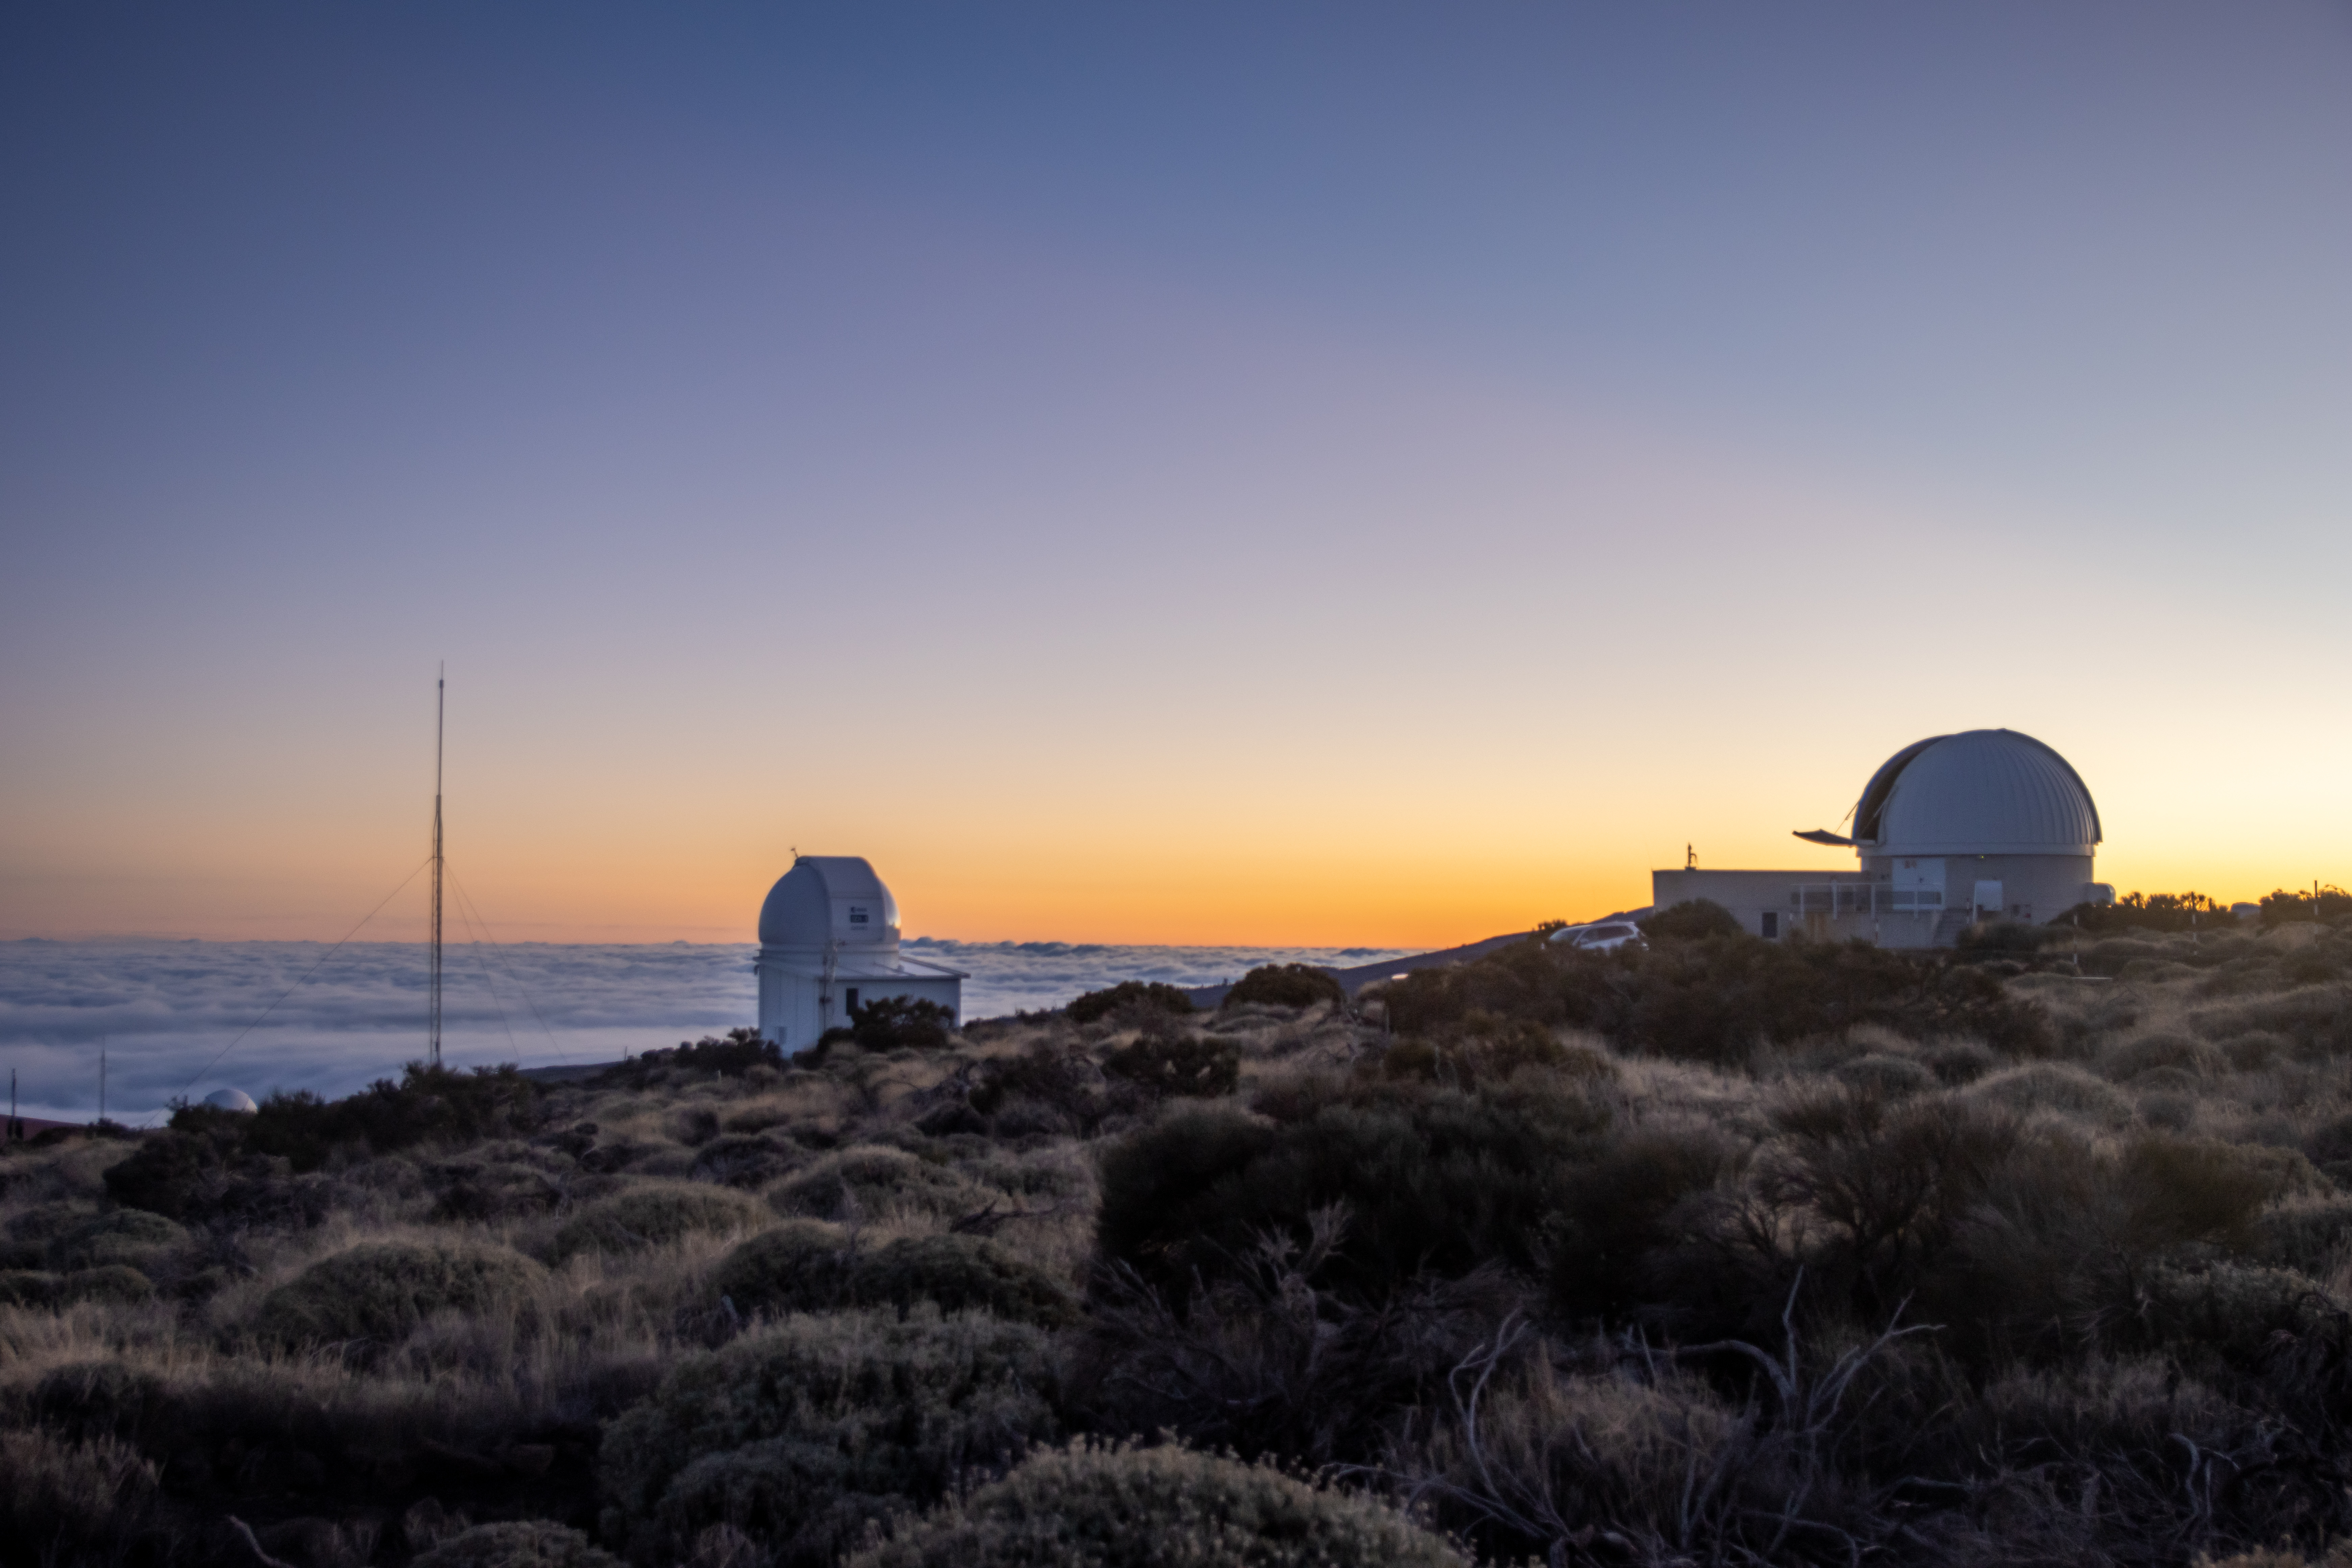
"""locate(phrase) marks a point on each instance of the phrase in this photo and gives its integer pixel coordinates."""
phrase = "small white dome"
(829, 899)
(230, 1099)
(1981, 792)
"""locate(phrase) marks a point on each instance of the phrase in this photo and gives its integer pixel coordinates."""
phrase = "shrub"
(737, 1056)
(2051, 1086)
(1485, 1049)
(129, 1237)
(1060, 1078)
(1716, 998)
(72, 1502)
(209, 1159)
(108, 1282)
(1185, 1065)
(1431, 1179)
(27, 1287)
(526, 1544)
(893, 1024)
(1286, 985)
(1159, 1508)
(428, 1104)
(1618, 1210)
(1694, 920)
(2154, 1053)
(2230, 1310)
(1888, 1077)
(2279, 906)
(1129, 997)
(379, 1291)
(960, 1272)
(1891, 1181)
(802, 1266)
(745, 1160)
(2153, 912)
(870, 1182)
(800, 1433)
(655, 1214)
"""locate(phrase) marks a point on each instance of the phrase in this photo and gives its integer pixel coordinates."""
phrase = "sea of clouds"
(178, 1019)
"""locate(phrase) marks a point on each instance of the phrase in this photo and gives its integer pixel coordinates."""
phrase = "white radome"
(230, 1099)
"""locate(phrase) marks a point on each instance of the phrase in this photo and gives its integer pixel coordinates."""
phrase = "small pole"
(101, 1080)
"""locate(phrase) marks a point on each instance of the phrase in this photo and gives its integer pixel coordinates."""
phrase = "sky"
(1267, 474)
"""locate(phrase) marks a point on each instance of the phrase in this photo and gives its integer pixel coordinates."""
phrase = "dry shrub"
(1619, 1211)
(2154, 1053)
(959, 1273)
(2310, 1237)
(2315, 1019)
(655, 1214)
(1286, 985)
(1485, 1049)
(1162, 1066)
(800, 1266)
(1433, 1179)
(64, 1501)
(524, 1543)
(1264, 1361)
(2126, 1460)
(873, 1183)
(2235, 1311)
(747, 1159)
(127, 1236)
(1635, 1460)
(799, 1433)
(1159, 1508)
(380, 1291)
(2055, 1088)
(2055, 1253)
(1888, 1077)
(807, 1265)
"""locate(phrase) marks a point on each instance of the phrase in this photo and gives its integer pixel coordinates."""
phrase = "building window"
(1771, 926)
(853, 998)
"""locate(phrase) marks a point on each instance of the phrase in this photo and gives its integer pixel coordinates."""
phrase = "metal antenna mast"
(433, 1019)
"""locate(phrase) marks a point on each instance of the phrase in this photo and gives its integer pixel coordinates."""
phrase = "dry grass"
(2140, 1262)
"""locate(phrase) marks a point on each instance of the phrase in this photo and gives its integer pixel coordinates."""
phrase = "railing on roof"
(1861, 897)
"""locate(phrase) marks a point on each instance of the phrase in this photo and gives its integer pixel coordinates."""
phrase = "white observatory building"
(1986, 824)
(828, 942)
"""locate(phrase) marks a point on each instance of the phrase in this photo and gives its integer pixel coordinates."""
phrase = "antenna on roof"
(433, 1012)
(1690, 858)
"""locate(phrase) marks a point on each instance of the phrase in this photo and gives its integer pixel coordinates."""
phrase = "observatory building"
(828, 942)
(1950, 830)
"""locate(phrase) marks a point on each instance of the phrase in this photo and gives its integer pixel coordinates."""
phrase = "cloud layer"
(193, 1017)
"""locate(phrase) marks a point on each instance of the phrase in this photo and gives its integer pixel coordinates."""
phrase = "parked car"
(1607, 936)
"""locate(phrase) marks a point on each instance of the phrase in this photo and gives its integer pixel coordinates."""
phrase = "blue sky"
(1228, 473)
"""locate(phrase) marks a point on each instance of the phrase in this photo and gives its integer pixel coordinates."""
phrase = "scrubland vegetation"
(1715, 1251)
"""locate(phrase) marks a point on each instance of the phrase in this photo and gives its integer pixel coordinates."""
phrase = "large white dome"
(829, 899)
(1981, 792)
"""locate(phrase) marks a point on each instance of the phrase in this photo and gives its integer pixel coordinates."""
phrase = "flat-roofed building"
(829, 942)
(1983, 824)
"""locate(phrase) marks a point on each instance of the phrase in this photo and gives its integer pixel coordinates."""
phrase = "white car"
(1606, 937)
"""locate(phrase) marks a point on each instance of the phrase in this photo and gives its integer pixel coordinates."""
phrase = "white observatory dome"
(833, 899)
(1981, 792)
(230, 1099)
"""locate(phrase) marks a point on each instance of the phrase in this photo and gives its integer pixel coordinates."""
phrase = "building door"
(1771, 926)
(1987, 899)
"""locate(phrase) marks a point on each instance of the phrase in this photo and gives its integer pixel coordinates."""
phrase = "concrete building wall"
(1909, 902)
(794, 1013)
